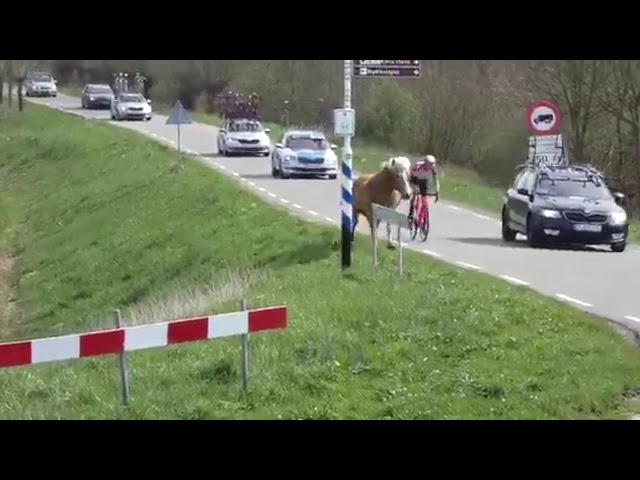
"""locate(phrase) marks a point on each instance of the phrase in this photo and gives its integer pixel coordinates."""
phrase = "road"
(595, 280)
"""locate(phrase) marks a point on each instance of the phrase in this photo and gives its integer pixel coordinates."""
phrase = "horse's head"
(400, 169)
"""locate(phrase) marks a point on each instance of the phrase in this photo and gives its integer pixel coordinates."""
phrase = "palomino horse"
(388, 188)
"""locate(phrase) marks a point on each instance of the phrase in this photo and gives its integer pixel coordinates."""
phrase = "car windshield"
(41, 78)
(307, 143)
(99, 89)
(572, 188)
(246, 127)
(132, 98)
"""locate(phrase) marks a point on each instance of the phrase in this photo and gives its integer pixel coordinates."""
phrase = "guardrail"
(120, 341)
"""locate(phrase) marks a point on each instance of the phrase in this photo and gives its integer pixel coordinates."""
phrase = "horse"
(388, 188)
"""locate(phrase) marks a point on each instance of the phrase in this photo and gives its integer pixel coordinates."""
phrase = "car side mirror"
(149, 101)
(267, 130)
(523, 191)
(619, 197)
(279, 145)
(334, 146)
(55, 81)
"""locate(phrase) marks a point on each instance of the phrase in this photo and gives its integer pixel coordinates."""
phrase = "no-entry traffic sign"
(544, 118)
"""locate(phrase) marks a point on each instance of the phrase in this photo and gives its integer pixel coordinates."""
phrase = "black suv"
(564, 205)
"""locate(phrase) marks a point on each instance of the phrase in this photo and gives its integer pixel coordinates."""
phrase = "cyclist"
(420, 174)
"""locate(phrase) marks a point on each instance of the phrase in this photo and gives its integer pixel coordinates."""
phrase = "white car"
(39, 84)
(304, 153)
(131, 106)
(244, 137)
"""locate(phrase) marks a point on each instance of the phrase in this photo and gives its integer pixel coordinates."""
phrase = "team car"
(564, 204)
(40, 84)
(304, 153)
(243, 136)
(130, 106)
(97, 96)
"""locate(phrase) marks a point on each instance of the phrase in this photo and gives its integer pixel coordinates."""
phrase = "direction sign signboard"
(544, 118)
(387, 68)
(547, 150)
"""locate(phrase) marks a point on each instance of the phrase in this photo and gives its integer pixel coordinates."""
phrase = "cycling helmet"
(430, 159)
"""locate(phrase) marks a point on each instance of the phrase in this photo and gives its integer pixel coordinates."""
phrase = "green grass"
(97, 217)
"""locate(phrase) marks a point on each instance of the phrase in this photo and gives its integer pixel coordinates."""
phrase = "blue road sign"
(178, 115)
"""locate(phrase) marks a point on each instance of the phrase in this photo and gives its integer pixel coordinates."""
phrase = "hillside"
(95, 217)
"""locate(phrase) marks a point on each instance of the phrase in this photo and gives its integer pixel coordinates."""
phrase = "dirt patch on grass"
(8, 309)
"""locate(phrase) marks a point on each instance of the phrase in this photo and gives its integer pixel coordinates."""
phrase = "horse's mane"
(397, 164)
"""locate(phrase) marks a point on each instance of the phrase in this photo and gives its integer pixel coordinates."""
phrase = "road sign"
(387, 68)
(344, 122)
(399, 220)
(547, 150)
(178, 115)
(544, 118)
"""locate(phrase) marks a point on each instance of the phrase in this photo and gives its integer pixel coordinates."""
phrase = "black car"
(564, 205)
(97, 96)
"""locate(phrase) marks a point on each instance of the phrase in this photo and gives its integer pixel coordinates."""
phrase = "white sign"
(344, 122)
(547, 150)
(385, 214)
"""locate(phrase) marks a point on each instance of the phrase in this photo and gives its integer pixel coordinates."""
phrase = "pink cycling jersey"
(422, 170)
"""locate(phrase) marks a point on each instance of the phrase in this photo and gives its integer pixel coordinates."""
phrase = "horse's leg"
(389, 244)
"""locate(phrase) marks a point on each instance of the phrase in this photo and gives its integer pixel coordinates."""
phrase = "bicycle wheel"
(424, 226)
(414, 227)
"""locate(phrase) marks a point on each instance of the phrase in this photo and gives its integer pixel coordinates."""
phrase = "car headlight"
(91, 99)
(618, 218)
(330, 158)
(550, 213)
(289, 158)
(123, 108)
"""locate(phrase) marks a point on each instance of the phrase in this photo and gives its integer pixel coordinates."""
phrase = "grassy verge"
(100, 217)
(458, 185)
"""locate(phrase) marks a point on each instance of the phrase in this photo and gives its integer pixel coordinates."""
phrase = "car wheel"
(274, 171)
(508, 235)
(532, 238)
(619, 247)
(281, 172)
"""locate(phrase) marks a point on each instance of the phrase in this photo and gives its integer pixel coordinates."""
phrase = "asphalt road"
(595, 279)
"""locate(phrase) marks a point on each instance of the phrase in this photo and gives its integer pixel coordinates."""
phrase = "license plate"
(585, 227)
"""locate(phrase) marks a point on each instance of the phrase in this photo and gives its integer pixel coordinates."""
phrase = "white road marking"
(295, 205)
(483, 217)
(633, 319)
(331, 220)
(433, 254)
(284, 200)
(252, 184)
(573, 300)
(243, 180)
(273, 195)
(155, 135)
(315, 214)
(457, 209)
(235, 174)
(469, 265)
(262, 189)
(221, 166)
(514, 280)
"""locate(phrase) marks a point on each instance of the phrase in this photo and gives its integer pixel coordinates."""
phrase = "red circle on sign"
(542, 124)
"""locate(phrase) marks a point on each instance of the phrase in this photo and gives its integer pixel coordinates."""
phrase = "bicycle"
(421, 217)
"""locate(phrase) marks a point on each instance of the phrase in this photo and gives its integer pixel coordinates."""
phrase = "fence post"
(244, 339)
(400, 252)
(375, 240)
(124, 373)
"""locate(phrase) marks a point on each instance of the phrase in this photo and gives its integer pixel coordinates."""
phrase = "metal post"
(400, 253)
(375, 241)
(347, 177)
(179, 140)
(124, 373)
(244, 338)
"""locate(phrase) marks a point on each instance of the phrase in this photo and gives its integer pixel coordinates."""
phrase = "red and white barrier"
(141, 337)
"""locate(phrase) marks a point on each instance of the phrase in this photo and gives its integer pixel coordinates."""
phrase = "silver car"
(131, 106)
(39, 84)
(244, 137)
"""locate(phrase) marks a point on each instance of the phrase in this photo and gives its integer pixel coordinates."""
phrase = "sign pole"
(347, 176)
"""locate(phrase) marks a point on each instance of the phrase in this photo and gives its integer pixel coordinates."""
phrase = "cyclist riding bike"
(421, 173)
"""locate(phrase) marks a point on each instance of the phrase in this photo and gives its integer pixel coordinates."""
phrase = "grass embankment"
(97, 217)
(458, 185)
